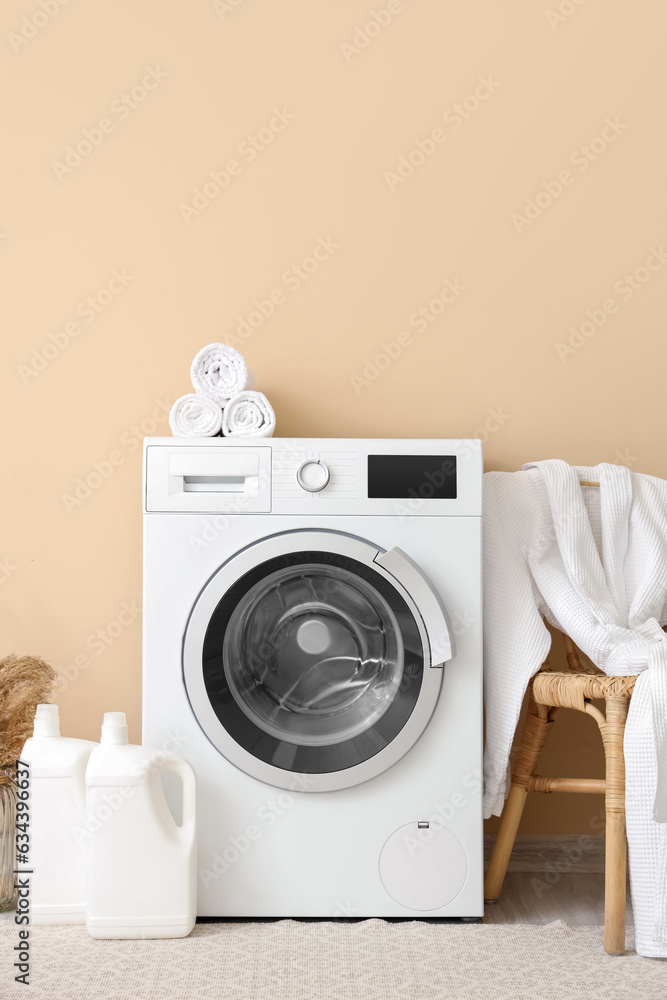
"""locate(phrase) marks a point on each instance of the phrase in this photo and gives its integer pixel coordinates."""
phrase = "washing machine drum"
(311, 667)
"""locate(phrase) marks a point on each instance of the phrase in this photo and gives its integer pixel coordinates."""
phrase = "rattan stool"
(550, 691)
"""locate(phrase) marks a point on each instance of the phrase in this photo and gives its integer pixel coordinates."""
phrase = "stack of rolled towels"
(224, 401)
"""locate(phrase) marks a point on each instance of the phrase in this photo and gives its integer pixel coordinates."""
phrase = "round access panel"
(423, 866)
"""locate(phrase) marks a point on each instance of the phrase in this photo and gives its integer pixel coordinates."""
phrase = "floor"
(539, 898)
(529, 898)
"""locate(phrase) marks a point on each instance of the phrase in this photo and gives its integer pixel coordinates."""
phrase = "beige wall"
(81, 382)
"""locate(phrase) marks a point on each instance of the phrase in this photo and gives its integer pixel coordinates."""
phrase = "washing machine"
(312, 645)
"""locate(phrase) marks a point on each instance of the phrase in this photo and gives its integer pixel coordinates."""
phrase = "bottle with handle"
(56, 824)
(141, 870)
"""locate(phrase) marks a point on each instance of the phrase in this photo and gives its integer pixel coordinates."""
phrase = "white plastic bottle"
(141, 875)
(57, 802)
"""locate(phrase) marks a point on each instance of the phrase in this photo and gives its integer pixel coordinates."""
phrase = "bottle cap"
(47, 721)
(114, 729)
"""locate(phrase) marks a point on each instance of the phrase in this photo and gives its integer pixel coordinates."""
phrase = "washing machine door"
(311, 658)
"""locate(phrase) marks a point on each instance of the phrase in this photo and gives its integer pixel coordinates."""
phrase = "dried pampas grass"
(25, 682)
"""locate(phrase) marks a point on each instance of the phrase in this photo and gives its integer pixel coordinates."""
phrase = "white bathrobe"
(593, 562)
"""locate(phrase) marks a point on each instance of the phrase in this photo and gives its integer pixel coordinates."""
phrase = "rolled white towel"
(248, 414)
(220, 372)
(195, 416)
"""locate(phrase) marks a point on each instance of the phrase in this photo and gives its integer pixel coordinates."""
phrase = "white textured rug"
(371, 960)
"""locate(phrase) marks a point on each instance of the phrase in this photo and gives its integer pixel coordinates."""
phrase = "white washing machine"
(312, 645)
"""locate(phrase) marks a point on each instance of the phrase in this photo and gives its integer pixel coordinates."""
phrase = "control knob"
(313, 475)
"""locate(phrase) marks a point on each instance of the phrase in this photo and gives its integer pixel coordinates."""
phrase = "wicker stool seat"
(572, 691)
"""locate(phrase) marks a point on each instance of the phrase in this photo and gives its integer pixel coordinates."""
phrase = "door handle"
(428, 602)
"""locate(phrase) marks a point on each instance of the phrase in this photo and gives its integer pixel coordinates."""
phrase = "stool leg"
(502, 849)
(535, 733)
(615, 839)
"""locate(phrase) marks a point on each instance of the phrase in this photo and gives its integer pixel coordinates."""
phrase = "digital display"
(402, 477)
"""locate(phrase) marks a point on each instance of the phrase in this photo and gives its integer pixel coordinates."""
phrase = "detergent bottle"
(55, 820)
(141, 865)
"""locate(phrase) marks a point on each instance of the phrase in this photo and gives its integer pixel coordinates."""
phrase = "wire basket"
(7, 843)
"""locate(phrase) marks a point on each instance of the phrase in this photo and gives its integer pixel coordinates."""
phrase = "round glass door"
(313, 654)
(311, 662)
